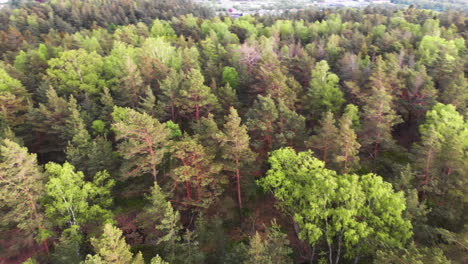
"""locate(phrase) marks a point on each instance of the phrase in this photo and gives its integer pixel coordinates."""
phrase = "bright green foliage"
(77, 71)
(433, 48)
(112, 248)
(30, 261)
(176, 132)
(161, 29)
(196, 99)
(272, 249)
(99, 127)
(21, 188)
(13, 98)
(357, 212)
(235, 147)
(231, 77)
(352, 112)
(73, 201)
(8, 83)
(143, 141)
(197, 172)
(324, 93)
(440, 160)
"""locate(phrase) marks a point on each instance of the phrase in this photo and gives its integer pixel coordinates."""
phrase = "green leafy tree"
(231, 77)
(324, 93)
(350, 212)
(440, 162)
(73, 201)
(143, 141)
(77, 71)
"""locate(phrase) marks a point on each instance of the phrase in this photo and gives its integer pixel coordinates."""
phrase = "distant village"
(237, 8)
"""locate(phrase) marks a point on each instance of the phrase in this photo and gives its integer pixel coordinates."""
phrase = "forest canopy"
(137, 131)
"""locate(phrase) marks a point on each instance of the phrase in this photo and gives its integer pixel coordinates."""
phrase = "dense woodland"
(137, 131)
(437, 5)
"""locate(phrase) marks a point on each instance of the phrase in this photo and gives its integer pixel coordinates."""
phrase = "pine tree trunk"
(188, 191)
(239, 198)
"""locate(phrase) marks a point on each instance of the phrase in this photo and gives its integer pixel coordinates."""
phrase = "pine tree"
(49, 124)
(196, 99)
(169, 227)
(379, 115)
(347, 146)
(324, 142)
(87, 154)
(22, 187)
(440, 162)
(170, 89)
(197, 171)
(274, 248)
(13, 100)
(235, 148)
(261, 120)
(207, 132)
(227, 96)
(112, 248)
(148, 103)
(143, 141)
(290, 127)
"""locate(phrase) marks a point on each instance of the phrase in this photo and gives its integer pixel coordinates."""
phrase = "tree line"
(155, 132)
